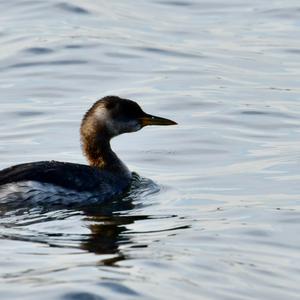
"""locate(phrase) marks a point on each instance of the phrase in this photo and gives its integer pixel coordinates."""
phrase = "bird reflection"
(107, 223)
(107, 234)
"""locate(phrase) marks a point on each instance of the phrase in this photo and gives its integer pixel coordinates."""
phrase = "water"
(221, 219)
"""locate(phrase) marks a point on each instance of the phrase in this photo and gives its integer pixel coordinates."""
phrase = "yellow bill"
(153, 120)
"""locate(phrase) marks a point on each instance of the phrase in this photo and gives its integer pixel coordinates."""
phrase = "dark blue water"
(221, 219)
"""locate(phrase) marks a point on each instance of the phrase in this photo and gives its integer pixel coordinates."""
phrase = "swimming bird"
(106, 175)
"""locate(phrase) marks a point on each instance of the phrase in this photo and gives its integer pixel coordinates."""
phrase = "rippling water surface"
(221, 217)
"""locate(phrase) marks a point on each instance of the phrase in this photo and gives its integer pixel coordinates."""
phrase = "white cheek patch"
(129, 126)
(135, 126)
(101, 114)
(103, 117)
(112, 127)
(115, 127)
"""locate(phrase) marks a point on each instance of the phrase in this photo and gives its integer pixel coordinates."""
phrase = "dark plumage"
(81, 178)
(106, 175)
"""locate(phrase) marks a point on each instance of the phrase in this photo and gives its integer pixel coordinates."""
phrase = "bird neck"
(98, 151)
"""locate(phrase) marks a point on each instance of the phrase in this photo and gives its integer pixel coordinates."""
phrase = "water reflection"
(107, 234)
(107, 228)
(106, 223)
(228, 71)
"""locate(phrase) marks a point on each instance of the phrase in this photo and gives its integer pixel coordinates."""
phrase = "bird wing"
(68, 175)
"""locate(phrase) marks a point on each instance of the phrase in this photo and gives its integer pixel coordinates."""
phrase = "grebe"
(105, 177)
